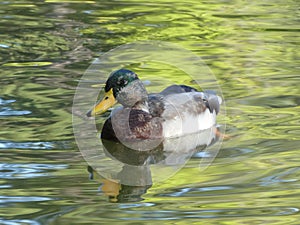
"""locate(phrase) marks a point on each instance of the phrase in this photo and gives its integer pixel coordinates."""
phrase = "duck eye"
(122, 82)
(106, 98)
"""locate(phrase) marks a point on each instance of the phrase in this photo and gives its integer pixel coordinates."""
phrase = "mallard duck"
(176, 111)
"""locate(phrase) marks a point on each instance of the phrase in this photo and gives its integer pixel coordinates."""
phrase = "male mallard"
(176, 111)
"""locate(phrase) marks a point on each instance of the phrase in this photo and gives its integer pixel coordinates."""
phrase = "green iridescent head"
(122, 86)
(119, 79)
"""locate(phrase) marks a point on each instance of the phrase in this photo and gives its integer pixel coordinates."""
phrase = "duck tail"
(213, 101)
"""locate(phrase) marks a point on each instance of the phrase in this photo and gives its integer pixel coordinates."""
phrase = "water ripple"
(5, 186)
(188, 191)
(4, 102)
(211, 213)
(4, 46)
(38, 145)
(15, 199)
(32, 170)
(8, 111)
(26, 145)
(281, 177)
(18, 222)
(135, 205)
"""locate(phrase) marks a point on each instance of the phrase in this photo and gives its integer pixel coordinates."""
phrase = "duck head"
(122, 86)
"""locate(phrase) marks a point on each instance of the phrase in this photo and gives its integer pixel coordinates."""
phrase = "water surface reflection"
(135, 176)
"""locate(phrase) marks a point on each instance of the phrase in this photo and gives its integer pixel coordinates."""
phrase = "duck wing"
(156, 102)
(208, 98)
(176, 89)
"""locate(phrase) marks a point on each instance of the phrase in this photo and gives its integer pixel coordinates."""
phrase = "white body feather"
(180, 117)
(185, 123)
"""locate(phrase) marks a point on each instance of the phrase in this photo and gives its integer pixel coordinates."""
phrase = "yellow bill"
(107, 102)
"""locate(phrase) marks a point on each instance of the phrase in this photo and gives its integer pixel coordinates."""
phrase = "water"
(251, 47)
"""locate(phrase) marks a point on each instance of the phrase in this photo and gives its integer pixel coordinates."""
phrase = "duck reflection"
(118, 192)
(135, 177)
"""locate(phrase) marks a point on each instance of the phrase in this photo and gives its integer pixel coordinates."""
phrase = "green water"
(251, 47)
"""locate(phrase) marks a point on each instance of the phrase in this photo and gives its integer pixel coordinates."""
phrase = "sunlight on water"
(26, 171)
(7, 111)
(252, 49)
